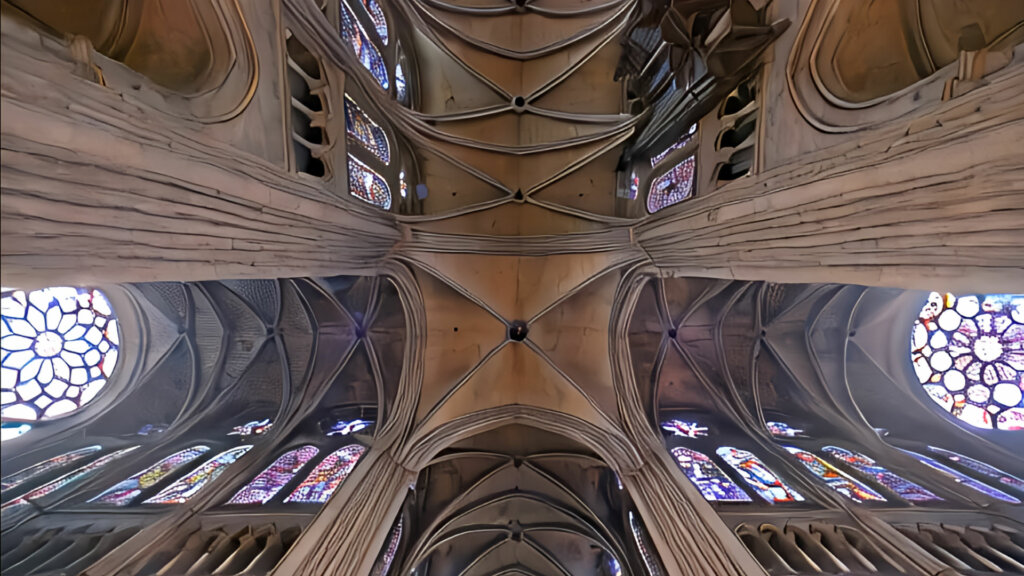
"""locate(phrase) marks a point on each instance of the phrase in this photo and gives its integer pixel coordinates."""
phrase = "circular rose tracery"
(968, 353)
(59, 346)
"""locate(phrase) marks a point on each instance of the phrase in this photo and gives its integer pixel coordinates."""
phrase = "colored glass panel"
(22, 476)
(834, 478)
(758, 476)
(367, 185)
(383, 564)
(125, 491)
(76, 476)
(902, 487)
(346, 427)
(365, 131)
(11, 430)
(401, 88)
(964, 479)
(328, 475)
(713, 484)
(353, 34)
(981, 468)
(783, 430)
(254, 428)
(58, 347)
(673, 186)
(376, 13)
(684, 429)
(268, 483)
(682, 142)
(640, 537)
(614, 568)
(188, 486)
(968, 354)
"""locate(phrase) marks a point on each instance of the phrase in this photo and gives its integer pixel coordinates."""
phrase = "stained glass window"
(59, 346)
(376, 13)
(964, 479)
(758, 476)
(254, 428)
(328, 475)
(783, 430)
(72, 477)
(673, 186)
(684, 429)
(403, 186)
(614, 568)
(10, 430)
(383, 564)
(682, 142)
(634, 186)
(365, 131)
(902, 487)
(352, 32)
(653, 568)
(48, 465)
(124, 492)
(346, 427)
(268, 483)
(968, 353)
(981, 468)
(833, 478)
(401, 88)
(188, 486)
(713, 484)
(367, 185)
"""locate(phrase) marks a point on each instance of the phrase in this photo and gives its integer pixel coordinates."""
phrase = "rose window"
(968, 353)
(59, 347)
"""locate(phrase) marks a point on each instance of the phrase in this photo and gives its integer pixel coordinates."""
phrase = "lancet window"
(900, 486)
(833, 478)
(964, 479)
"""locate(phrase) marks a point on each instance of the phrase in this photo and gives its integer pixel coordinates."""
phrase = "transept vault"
(530, 287)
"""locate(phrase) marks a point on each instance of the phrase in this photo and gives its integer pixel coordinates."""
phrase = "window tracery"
(272, 479)
(365, 131)
(367, 185)
(833, 478)
(673, 186)
(68, 479)
(369, 56)
(376, 14)
(48, 465)
(758, 476)
(981, 468)
(59, 347)
(897, 484)
(964, 479)
(187, 487)
(968, 353)
(125, 491)
(327, 476)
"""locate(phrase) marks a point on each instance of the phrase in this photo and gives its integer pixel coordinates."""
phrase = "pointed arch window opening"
(46, 466)
(869, 468)
(266, 485)
(964, 479)
(683, 141)
(58, 348)
(362, 129)
(367, 185)
(69, 479)
(401, 86)
(834, 478)
(673, 186)
(714, 485)
(981, 468)
(124, 492)
(187, 487)
(376, 13)
(640, 538)
(758, 476)
(968, 354)
(327, 476)
(383, 564)
(366, 52)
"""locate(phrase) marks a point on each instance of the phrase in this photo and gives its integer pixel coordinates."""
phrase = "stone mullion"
(933, 201)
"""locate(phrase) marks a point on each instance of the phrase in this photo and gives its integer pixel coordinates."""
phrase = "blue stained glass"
(684, 429)
(352, 32)
(383, 564)
(981, 468)
(641, 543)
(376, 13)
(964, 479)
(188, 486)
(268, 483)
(58, 347)
(47, 465)
(614, 568)
(713, 484)
(833, 478)
(758, 476)
(902, 487)
(364, 130)
(401, 88)
(125, 491)
(254, 428)
(783, 430)
(346, 427)
(10, 430)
